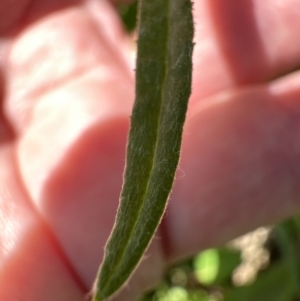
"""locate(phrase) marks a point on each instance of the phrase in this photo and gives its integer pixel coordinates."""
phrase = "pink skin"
(67, 88)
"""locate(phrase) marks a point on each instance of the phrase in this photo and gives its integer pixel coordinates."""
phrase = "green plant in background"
(288, 237)
(209, 275)
(215, 266)
(128, 14)
(163, 87)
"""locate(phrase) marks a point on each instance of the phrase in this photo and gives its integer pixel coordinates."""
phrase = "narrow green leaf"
(163, 86)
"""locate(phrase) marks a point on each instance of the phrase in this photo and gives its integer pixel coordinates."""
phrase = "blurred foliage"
(215, 266)
(209, 276)
(128, 14)
(288, 238)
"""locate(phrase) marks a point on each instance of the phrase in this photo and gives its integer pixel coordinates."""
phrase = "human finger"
(240, 166)
(243, 42)
(31, 265)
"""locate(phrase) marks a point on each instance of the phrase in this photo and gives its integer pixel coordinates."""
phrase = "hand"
(67, 89)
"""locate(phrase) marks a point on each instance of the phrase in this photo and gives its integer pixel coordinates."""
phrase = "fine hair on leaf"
(163, 87)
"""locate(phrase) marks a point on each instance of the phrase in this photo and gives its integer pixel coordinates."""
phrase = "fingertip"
(239, 171)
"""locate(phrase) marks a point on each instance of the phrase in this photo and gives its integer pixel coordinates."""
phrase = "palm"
(68, 92)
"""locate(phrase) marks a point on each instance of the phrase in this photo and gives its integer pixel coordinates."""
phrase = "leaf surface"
(163, 87)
